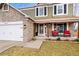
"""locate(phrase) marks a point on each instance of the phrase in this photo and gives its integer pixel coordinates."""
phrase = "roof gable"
(25, 15)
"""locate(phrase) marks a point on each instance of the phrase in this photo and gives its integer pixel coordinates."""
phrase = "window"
(41, 29)
(60, 27)
(41, 11)
(76, 9)
(60, 9)
(5, 7)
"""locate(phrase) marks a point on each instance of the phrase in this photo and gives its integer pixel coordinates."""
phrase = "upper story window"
(60, 9)
(41, 11)
(76, 9)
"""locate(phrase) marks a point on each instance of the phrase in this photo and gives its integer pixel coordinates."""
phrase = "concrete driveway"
(4, 45)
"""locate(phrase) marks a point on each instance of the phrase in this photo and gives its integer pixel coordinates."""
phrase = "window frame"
(62, 8)
(43, 11)
(3, 9)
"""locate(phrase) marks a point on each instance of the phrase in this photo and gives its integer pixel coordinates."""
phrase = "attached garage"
(11, 31)
(14, 24)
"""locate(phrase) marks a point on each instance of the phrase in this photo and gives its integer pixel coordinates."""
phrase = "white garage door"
(11, 31)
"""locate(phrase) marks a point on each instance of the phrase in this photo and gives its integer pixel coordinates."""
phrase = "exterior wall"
(28, 30)
(70, 10)
(11, 15)
(31, 12)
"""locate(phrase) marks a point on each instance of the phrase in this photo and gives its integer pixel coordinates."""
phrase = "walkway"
(33, 44)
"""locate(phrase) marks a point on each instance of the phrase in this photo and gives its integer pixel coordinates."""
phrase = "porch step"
(41, 38)
(54, 38)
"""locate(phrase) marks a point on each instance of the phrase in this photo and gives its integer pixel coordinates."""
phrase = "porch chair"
(55, 33)
(66, 33)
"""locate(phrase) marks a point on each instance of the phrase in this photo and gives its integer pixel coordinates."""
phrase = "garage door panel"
(11, 32)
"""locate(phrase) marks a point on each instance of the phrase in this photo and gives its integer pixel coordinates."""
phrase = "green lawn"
(48, 48)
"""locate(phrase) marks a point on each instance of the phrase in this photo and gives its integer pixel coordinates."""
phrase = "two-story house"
(54, 20)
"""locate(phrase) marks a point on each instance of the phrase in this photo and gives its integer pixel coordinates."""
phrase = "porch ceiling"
(58, 20)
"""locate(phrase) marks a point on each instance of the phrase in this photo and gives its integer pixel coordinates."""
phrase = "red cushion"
(66, 32)
(55, 33)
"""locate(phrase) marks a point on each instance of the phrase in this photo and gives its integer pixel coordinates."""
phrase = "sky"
(22, 5)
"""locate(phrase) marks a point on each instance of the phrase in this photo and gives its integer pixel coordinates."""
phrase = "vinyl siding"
(31, 12)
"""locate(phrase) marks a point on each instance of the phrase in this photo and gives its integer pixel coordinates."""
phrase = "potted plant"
(77, 40)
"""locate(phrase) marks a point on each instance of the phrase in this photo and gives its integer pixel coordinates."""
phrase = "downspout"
(78, 29)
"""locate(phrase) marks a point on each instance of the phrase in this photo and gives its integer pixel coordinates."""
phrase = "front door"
(42, 30)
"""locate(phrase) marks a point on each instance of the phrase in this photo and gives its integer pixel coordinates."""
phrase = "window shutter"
(36, 11)
(45, 11)
(55, 10)
(65, 8)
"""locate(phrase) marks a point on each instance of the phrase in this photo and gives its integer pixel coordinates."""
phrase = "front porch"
(45, 30)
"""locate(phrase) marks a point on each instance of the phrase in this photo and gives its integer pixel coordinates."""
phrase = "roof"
(58, 20)
(22, 13)
(37, 5)
(19, 11)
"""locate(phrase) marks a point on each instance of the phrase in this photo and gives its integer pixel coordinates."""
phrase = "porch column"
(67, 26)
(52, 26)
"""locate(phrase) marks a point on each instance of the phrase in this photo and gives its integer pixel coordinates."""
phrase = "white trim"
(39, 30)
(43, 11)
(73, 9)
(28, 8)
(57, 10)
(45, 32)
(3, 7)
(11, 23)
(67, 26)
(52, 26)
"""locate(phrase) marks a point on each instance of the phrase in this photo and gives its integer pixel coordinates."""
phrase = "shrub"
(48, 39)
(33, 39)
(77, 39)
(58, 39)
